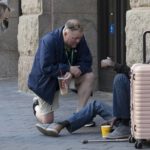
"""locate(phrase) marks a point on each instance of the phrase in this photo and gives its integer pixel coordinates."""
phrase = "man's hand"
(67, 77)
(75, 71)
(107, 63)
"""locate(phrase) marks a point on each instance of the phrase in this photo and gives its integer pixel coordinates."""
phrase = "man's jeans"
(121, 96)
(121, 105)
(86, 114)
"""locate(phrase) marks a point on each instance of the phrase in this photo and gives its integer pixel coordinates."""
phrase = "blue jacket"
(50, 61)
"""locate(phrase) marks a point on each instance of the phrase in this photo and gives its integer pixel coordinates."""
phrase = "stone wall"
(8, 44)
(34, 22)
(46, 15)
(137, 22)
(139, 3)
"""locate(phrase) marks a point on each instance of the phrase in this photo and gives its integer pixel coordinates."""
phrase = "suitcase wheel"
(131, 139)
(138, 144)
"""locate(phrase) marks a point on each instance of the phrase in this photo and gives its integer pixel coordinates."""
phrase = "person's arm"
(122, 68)
(119, 68)
(84, 59)
(49, 59)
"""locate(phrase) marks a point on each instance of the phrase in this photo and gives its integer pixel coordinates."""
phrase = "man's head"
(4, 15)
(72, 33)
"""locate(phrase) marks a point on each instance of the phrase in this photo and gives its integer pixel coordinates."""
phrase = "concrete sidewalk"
(17, 124)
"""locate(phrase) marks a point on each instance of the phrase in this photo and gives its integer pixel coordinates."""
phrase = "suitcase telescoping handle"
(144, 46)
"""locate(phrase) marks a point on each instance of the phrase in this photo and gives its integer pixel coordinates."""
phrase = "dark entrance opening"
(111, 37)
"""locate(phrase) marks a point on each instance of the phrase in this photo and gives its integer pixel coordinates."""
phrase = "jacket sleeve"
(48, 58)
(84, 59)
(121, 68)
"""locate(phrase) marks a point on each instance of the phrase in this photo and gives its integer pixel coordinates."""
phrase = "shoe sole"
(52, 133)
(90, 124)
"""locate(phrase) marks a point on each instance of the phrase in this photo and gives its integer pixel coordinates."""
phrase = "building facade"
(112, 28)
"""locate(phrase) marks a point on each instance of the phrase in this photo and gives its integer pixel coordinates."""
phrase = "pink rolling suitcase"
(140, 100)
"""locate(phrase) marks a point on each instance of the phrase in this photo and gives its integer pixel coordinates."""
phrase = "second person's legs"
(86, 114)
(121, 96)
(121, 106)
(78, 119)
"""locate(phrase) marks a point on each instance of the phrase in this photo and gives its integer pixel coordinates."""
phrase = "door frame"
(118, 53)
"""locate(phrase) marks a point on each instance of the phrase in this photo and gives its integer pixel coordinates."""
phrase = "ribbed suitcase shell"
(140, 101)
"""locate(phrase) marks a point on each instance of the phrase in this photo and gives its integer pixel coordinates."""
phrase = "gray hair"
(74, 25)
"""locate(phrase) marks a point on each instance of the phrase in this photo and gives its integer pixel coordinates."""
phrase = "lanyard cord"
(70, 58)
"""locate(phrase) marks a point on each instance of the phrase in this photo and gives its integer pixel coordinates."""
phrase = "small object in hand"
(107, 63)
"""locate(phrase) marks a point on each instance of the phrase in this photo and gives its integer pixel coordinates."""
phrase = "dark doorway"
(111, 37)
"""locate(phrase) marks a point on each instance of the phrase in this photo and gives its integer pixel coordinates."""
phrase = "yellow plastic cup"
(105, 130)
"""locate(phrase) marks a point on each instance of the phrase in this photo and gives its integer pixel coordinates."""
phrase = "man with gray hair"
(4, 15)
(63, 51)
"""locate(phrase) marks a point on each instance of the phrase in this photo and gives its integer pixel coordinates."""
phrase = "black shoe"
(35, 103)
(90, 124)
